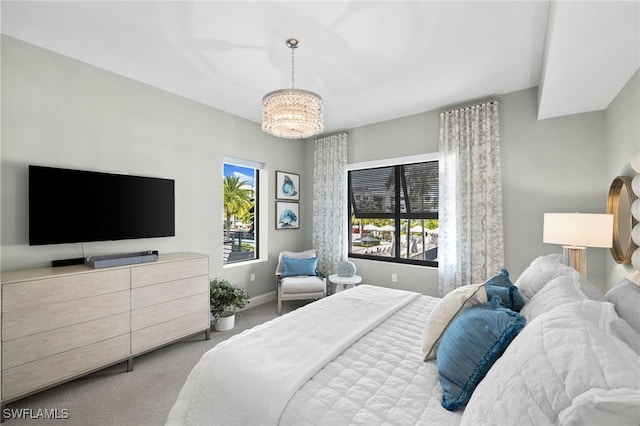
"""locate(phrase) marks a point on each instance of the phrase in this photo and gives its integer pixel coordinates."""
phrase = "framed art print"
(287, 215)
(287, 186)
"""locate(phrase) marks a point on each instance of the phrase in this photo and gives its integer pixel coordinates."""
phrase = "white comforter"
(249, 378)
(379, 380)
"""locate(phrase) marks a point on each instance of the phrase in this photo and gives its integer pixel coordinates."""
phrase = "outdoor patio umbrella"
(367, 239)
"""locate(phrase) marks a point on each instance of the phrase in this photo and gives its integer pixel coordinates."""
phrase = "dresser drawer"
(41, 345)
(160, 293)
(43, 292)
(169, 271)
(48, 371)
(157, 335)
(43, 318)
(163, 312)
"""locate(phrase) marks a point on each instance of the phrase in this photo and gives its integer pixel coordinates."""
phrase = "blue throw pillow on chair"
(293, 267)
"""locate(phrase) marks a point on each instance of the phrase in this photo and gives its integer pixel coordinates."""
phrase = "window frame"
(258, 168)
(397, 214)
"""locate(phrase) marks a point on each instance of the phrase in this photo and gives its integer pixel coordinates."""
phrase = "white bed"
(381, 379)
(356, 358)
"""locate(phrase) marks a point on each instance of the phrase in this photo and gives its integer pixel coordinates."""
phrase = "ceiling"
(370, 61)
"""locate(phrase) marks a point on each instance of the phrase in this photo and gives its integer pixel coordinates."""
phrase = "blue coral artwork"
(287, 215)
(287, 186)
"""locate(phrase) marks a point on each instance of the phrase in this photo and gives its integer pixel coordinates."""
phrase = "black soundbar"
(67, 262)
(82, 260)
(121, 259)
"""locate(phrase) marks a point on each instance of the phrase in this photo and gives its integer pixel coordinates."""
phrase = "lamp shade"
(578, 229)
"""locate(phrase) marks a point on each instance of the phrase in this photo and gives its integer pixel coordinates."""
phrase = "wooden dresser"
(61, 323)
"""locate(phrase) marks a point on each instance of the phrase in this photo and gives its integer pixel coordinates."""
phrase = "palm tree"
(237, 198)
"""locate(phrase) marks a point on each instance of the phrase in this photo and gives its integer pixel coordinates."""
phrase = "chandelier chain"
(292, 68)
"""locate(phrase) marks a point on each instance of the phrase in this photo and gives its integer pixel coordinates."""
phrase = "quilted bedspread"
(380, 379)
(249, 378)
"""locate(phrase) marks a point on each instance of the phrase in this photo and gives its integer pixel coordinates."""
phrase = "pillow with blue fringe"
(509, 296)
(500, 285)
(470, 346)
(500, 279)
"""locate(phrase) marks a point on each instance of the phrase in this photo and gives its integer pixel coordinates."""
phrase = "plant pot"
(226, 321)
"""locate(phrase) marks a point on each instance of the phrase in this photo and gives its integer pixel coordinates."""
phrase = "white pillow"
(610, 322)
(563, 368)
(625, 295)
(445, 311)
(591, 291)
(560, 290)
(626, 333)
(542, 270)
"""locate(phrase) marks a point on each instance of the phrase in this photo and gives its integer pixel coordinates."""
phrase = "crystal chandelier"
(292, 113)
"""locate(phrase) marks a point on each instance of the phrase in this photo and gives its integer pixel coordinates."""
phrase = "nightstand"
(344, 282)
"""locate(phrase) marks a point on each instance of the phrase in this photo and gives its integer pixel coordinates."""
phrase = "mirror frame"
(623, 246)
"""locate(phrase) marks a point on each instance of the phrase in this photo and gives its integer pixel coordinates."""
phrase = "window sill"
(243, 263)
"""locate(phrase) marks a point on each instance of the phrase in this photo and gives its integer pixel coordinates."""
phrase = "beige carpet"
(141, 397)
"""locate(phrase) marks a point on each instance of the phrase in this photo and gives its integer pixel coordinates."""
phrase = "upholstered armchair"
(297, 277)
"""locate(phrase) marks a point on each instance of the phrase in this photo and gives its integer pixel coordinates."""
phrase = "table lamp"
(577, 231)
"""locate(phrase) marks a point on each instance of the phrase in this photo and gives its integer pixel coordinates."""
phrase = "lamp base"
(576, 258)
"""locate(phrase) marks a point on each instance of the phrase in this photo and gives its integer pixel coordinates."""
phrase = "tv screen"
(68, 206)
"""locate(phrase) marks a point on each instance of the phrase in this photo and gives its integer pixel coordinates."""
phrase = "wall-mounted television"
(69, 206)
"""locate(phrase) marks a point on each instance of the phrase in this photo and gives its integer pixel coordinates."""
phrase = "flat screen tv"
(69, 206)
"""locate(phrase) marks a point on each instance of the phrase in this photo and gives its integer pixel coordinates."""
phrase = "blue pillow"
(471, 344)
(500, 279)
(292, 267)
(510, 297)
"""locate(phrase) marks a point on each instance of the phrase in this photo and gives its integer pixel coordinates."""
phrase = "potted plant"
(224, 299)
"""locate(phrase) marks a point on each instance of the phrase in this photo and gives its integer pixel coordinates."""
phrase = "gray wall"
(551, 165)
(622, 140)
(563, 164)
(60, 112)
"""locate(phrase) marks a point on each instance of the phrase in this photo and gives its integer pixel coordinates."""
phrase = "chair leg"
(279, 306)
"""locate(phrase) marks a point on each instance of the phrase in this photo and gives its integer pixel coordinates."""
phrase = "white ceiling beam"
(591, 50)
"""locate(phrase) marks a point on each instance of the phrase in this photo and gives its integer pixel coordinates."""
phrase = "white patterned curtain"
(471, 240)
(330, 200)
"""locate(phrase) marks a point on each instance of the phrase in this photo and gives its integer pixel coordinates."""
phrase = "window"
(240, 212)
(394, 213)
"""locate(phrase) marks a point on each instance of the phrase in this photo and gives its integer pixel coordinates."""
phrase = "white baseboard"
(259, 300)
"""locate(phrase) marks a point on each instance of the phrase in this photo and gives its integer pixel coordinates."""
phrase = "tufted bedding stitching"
(381, 379)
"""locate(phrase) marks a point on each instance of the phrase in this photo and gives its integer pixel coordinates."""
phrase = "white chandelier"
(292, 113)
